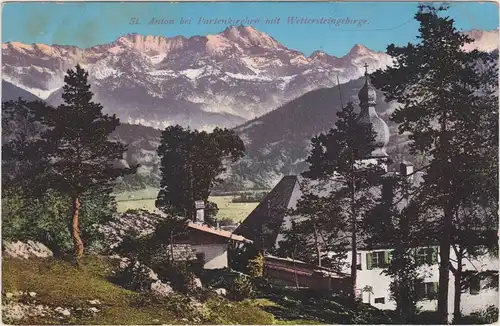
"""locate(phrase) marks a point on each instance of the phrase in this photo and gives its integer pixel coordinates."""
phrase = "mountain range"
(276, 98)
(201, 81)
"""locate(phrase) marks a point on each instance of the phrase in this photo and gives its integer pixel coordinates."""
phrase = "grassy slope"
(145, 199)
(59, 283)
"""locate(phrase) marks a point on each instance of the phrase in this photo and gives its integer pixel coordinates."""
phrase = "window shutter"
(387, 258)
(369, 260)
(435, 289)
(475, 284)
(420, 288)
(434, 259)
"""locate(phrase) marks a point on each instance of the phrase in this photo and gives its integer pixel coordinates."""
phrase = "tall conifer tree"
(445, 97)
(336, 157)
(81, 157)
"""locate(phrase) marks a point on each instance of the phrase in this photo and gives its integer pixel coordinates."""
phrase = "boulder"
(63, 311)
(161, 289)
(140, 277)
(94, 310)
(13, 312)
(26, 250)
(221, 291)
(197, 283)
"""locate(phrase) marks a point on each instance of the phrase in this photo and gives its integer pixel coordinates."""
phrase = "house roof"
(218, 232)
(282, 263)
(263, 224)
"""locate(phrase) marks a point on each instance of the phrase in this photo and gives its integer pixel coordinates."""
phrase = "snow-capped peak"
(151, 43)
(249, 36)
(318, 53)
(483, 40)
(359, 50)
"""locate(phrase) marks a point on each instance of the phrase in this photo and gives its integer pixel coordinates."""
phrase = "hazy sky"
(85, 24)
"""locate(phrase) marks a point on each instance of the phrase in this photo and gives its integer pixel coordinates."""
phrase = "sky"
(85, 24)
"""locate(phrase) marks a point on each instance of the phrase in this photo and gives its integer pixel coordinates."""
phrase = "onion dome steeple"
(367, 98)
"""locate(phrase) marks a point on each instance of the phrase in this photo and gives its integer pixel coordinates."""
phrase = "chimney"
(200, 211)
(405, 168)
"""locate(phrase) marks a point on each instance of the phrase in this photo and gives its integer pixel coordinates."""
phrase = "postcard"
(249, 163)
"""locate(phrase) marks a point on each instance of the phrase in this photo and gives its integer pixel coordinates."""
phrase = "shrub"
(225, 221)
(241, 288)
(181, 277)
(134, 277)
(487, 316)
(256, 266)
(46, 219)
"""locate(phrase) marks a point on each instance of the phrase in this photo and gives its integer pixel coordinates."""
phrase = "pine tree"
(395, 222)
(80, 156)
(444, 95)
(191, 163)
(319, 236)
(475, 219)
(335, 157)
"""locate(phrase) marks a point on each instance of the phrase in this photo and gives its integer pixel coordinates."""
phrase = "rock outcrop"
(26, 250)
(139, 277)
(131, 224)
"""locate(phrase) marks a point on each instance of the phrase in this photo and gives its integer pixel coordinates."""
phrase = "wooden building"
(291, 272)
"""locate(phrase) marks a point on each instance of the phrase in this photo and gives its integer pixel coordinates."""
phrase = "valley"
(145, 199)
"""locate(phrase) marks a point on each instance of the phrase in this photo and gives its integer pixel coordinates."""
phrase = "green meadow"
(145, 199)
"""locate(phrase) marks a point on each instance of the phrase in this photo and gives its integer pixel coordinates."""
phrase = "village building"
(296, 273)
(265, 225)
(206, 244)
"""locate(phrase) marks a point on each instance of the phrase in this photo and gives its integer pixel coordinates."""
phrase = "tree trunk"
(172, 246)
(318, 249)
(457, 314)
(445, 243)
(76, 235)
(295, 271)
(354, 260)
(354, 252)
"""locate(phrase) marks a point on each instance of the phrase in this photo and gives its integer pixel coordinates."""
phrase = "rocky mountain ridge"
(201, 81)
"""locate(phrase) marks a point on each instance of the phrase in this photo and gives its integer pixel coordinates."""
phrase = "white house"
(209, 244)
(373, 284)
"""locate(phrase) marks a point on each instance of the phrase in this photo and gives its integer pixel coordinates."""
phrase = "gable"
(263, 224)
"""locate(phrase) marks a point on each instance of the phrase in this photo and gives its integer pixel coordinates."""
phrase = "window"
(358, 262)
(200, 257)
(427, 290)
(427, 256)
(379, 300)
(475, 284)
(377, 259)
(490, 280)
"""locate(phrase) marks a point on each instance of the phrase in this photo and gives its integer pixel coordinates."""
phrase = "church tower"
(367, 98)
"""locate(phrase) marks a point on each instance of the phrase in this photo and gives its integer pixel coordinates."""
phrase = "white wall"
(380, 284)
(215, 255)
